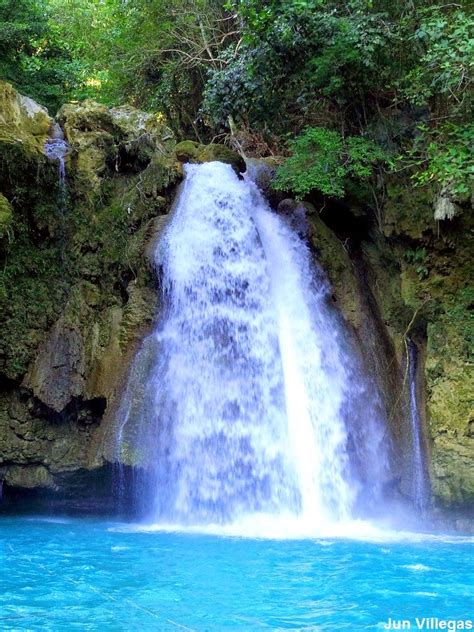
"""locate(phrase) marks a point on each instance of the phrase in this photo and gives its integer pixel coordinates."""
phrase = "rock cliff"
(411, 277)
(76, 292)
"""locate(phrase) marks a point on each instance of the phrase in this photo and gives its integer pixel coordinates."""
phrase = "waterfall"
(419, 484)
(240, 402)
(56, 149)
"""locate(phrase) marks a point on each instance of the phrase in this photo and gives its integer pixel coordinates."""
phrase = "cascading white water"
(419, 487)
(238, 402)
(56, 149)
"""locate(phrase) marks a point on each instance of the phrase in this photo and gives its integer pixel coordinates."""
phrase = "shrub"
(322, 160)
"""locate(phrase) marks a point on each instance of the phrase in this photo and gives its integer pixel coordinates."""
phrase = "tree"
(322, 160)
(153, 54)
(32, 55)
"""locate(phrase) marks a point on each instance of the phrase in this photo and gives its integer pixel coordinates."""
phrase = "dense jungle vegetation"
(369, 82)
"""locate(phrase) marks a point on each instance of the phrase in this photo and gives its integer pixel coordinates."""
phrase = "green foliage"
(323, 160)
(92, 30)
(418, 257)
(441, 78)
(447, 60)
(294, 56)
(276, 67)
(152, 54)
(6, 217)
(450, 155)
(32, 54)
(444, 155)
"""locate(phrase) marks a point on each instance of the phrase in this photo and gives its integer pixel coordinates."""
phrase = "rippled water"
(93, 575)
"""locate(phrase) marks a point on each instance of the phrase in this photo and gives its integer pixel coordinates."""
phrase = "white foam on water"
(117, 549)
(49, 519)
(265, 527)
(417, 567)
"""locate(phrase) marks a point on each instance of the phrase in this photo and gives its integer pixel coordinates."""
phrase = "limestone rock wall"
(412, 276)
(436, 260)
(77, 292)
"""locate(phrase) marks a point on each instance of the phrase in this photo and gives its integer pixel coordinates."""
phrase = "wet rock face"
(413, 279)
(262, 172)
(190, 151)
(56, 375)
(437, 287)
(77, 292)
(22, 121)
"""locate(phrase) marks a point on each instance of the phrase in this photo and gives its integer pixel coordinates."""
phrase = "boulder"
(28, 477)
(22, 121)
(221, 153)
(111, 140)
(187, 151)
(262, 171)
(190, 151)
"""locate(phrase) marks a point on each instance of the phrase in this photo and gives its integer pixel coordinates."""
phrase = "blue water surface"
(82, 574)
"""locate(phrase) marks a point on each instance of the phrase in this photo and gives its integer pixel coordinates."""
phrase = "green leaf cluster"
(444, 155)
(294, 56)
(33, 57)
(446, 63)
(418, 258)
(372, 68)
(323, 160)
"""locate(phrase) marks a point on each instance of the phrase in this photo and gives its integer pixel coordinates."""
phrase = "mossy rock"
(6, 216)
(436, 286)
(110, 141)
(28, 476)
(138, 125)
(32, 287)
(125, 124)
(221, 153)
(93, 135)
(190, 151)
(262, 172)
(144, 135)
(84, 117)
(76, 291)
(336, 263)
(22, 121)
(21, 164)
(451, 412)
(187, 151)
(160, 174)
(408, 210)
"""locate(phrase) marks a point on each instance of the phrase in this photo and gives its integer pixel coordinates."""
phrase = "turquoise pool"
(84, 574)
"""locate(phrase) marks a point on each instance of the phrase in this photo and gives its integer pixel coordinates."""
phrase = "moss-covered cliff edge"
(78, 292)
(411, 277)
